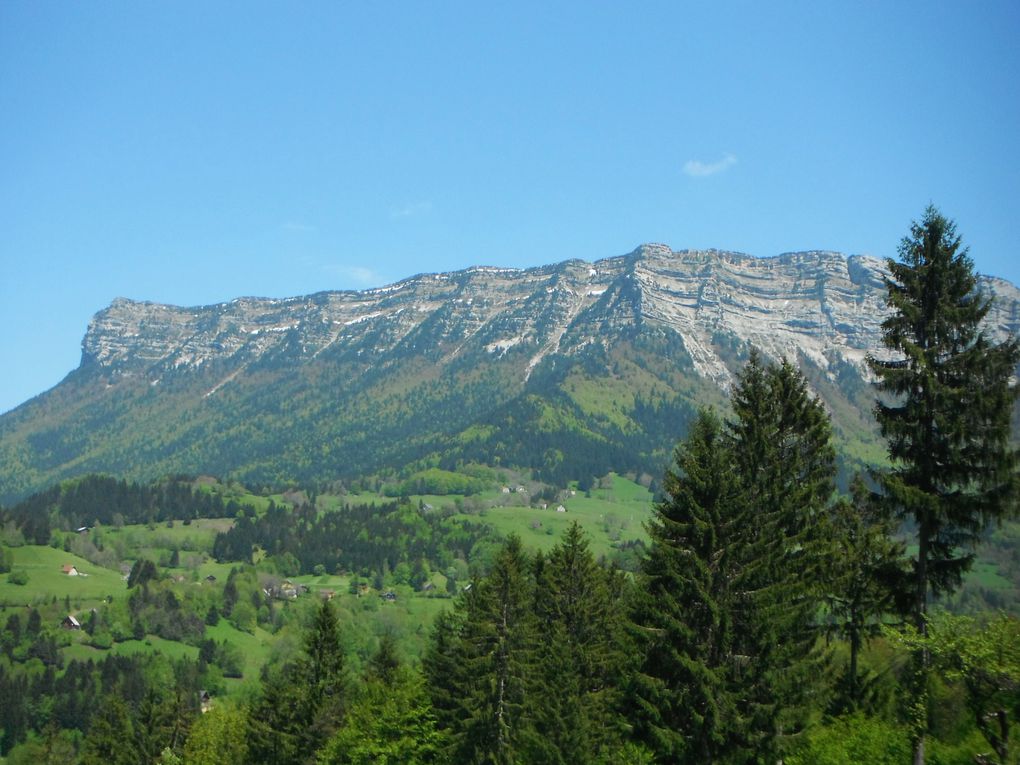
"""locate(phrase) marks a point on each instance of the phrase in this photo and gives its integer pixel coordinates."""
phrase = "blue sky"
(193, 152)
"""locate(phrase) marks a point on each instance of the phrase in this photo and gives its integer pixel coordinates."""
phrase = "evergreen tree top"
(933, 291)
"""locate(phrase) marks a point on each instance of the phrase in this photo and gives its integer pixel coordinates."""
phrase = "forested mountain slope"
(571, 369)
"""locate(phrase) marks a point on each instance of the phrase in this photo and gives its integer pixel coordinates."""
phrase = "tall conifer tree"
(580, 657)
(687, 609)
(444, 669)
(276, 720)
(780, 442)
(495, 650)
(866, 580)
(321, 677)
(110, 739)
(945, 414)
(300, 706)
(728, 617)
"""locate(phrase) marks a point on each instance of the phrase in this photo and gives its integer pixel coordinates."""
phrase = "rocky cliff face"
(569, 369)
(821, 305)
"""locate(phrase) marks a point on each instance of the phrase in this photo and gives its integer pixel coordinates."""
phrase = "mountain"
(570, 369)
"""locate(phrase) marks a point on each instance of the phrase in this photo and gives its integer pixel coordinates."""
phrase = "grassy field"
(197, 535)
(255, 648)
(614, 514)
(150, 644)
(234, 492)
(326, 582)
(986, 574)
(608, 516)
(46, 580)
(136, 541)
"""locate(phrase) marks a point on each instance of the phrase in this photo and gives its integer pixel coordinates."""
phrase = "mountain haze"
(570, 369)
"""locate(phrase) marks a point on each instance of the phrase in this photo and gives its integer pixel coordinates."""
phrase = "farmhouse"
(287, 590)
(70, 623)
(68, 569)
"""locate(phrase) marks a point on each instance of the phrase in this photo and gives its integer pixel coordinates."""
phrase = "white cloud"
(349, 274)
(357, 274)
(410, 210)
(695, 168)
(295, 226)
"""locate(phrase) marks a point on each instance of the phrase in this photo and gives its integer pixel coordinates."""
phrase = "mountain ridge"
(416, 370)
(341, 307)
(93, 348)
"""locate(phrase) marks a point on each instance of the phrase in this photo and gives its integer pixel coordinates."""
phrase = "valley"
(381, 488)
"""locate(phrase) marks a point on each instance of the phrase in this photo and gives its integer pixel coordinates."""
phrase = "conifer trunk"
(921, 658)
(855, 648)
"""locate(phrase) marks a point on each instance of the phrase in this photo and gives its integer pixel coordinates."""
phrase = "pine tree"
(153, 726)
(385, 662)
(780, 442)
(142, 572)
(323, 664)
(276, 720)
(110, 739)
(945, 414)
(727, 617)
(489, 648)
(580, 654)
(320, 673)
(866, 580)
(301, 705)
(686, 612)
(444, 669)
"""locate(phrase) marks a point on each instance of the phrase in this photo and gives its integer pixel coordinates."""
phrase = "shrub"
(854, 739)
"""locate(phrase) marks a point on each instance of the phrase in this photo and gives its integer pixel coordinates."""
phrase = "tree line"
(100, 499)
(362, 538)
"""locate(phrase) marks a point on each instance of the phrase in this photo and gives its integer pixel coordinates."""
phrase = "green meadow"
(46, 579)
(609, 516)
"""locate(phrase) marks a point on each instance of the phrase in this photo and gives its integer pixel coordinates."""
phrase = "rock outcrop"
(821, 305)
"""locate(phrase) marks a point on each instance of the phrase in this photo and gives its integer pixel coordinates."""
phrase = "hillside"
(570, 370)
